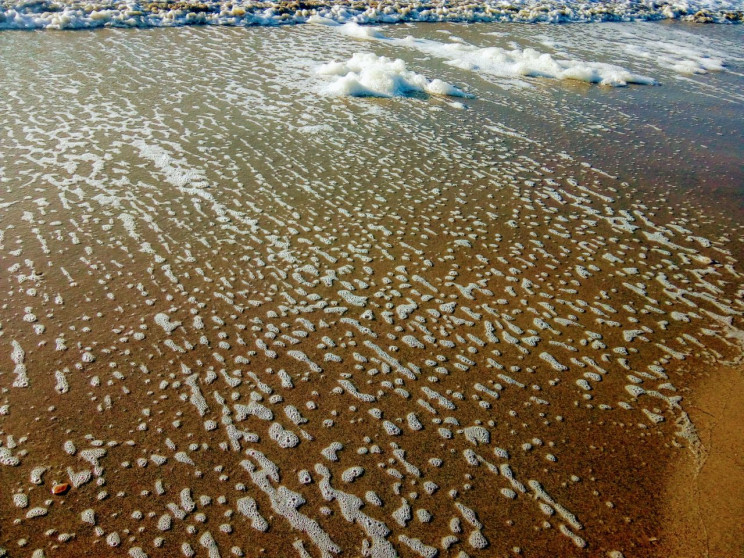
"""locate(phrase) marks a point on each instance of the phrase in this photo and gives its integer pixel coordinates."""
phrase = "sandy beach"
(428, 289)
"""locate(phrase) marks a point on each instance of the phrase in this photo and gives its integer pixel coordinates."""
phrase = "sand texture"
(475, 291)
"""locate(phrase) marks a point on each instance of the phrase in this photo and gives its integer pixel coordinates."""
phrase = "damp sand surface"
(704, 493)
(473, 292)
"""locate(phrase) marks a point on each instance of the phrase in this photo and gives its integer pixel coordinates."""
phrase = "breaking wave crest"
(79, 14)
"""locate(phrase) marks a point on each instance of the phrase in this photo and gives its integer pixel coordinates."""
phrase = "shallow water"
(74, 14)
(224, 282)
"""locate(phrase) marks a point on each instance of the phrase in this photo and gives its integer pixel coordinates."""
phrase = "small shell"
(59, 489)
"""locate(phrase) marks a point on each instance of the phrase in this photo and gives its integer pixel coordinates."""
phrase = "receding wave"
(79, 14)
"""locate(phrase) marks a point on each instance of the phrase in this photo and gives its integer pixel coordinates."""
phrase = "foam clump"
(369, 75)
(37, 474)
(36, 512)
(165, 522)
(476, 435)
(182, 457)
(7, 458)
(351, 298)
(402, 515)
(413, 422)
(477, 540)
(247, 506)
(20, 500)
(390, 428)
(285, 438)
(187, 502)
(352, 473)
(62, 385)
(208, 542)
(18, 356)
(353, 29)
(252, 409)
(164, 321)
(331, 451)
(423, 550)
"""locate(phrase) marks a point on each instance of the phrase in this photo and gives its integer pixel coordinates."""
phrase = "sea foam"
(76, 14)
(369, 75)
(508, 63)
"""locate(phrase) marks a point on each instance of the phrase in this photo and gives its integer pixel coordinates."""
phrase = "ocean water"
(424, 289)
(41, 14)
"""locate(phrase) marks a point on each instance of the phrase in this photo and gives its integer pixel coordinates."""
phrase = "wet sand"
(241, 317)
(705, 492)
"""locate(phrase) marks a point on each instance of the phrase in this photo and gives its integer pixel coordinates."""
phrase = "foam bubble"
(369, 75)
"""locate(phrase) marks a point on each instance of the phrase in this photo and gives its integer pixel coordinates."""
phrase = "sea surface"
(421, 288)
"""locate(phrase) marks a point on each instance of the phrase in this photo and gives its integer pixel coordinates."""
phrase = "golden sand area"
(240, 317)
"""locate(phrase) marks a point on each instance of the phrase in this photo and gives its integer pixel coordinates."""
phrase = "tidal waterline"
(241, 313)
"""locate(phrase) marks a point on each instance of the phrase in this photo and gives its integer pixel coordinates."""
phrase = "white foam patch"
(369, 75)
(357, 31)
(513, 63)
(676, 57)
(527, 62)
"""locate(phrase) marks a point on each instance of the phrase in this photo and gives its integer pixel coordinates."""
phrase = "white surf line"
(499, 62)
